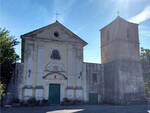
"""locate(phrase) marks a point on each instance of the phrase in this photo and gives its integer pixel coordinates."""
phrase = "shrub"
(66, 101)
(31, 101)
(76, 102)
(44, 101)
(37, 103)
(147, 88)
(16, 100)
(22, 102)
(2, 90)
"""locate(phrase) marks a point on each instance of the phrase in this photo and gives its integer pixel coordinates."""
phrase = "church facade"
(53, 67)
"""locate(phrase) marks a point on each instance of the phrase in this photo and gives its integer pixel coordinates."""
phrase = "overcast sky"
(83, 17)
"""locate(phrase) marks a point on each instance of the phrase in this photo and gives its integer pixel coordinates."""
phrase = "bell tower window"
(108, 37)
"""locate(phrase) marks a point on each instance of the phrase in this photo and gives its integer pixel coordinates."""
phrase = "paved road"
(79, 109)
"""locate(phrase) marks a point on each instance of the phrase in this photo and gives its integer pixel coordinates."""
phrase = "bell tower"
(123, 80)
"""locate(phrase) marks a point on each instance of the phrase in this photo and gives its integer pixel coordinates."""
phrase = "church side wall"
(14, 87)
(19, 73)
(94, 81)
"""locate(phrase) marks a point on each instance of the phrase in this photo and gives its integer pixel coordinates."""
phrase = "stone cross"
(118, 13)
(57, 14)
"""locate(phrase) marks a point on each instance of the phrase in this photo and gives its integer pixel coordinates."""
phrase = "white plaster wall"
(70, 75)
(29, 65)
(62, 92)
(46, 87)
(49, 66)
(79, 72)
(79, 94)
(27, 94)
(39, 94)
(70, 94)
(65, 45)
(40, 66)
(61, 64)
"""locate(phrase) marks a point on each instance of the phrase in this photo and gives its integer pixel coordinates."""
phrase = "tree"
(7, 51)
(1, 91)
(145, 60)
(145, 55)
(8, 57)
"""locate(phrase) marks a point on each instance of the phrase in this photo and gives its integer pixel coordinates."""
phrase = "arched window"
(55, 55)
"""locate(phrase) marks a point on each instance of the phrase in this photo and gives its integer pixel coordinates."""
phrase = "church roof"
(118, 19)
(50, 25)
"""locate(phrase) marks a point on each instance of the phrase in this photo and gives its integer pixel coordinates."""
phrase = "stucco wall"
(15, 84)
(123, 82)
(97, 85)
(119, 40)
(39, 67)
(123, 79)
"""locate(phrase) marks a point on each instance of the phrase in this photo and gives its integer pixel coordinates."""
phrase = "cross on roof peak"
(56, 15)
(118, 13)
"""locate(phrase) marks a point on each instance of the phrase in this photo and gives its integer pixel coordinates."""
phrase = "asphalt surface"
(79, 109)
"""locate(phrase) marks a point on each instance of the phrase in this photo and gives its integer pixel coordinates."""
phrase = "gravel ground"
(79, 109)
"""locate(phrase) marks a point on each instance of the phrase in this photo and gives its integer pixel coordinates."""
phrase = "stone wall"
(123, 82)
(14, 86)
(146, 71)
(94, 80)
(119, 40)
(146, 76)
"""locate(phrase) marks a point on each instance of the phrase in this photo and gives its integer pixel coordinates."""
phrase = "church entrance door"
(54, 94)
(93, 98)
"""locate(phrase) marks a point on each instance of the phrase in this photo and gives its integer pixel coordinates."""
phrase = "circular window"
(56, 34)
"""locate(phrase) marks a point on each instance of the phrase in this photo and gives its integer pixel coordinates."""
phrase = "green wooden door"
(93, 98)
(54, 94)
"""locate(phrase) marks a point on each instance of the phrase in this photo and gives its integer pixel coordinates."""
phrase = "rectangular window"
(127, 33)
(94, 78)
(108, 37)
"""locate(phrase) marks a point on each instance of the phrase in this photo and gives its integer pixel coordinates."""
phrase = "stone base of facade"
(123, 82)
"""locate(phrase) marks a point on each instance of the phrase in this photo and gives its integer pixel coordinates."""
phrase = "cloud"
(142, 16)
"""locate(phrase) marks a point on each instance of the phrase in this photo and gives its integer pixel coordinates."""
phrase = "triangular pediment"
(55, 32)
